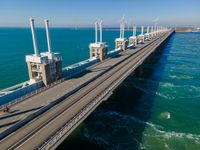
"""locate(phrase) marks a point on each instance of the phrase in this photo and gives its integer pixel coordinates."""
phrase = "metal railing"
(20, 99)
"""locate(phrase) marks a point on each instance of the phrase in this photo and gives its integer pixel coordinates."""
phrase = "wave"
(173, 134)
(166, 84)
(165, 96)
(172, 85)
(181, 77)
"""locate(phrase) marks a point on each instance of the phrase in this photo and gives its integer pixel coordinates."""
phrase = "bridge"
(44, 119)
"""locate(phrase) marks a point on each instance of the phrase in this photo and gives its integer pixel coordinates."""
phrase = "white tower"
(48, 35)
(121, 42)
(98, 49)
(55, 59)
(133, 38)
(46, 66)
(34, 36)
(155, 29)
(141, 36)
(147, 35)
(151, 33)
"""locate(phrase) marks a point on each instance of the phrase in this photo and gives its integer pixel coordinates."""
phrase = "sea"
(156, 108)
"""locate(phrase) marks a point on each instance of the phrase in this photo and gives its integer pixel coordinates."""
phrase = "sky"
(85, 12)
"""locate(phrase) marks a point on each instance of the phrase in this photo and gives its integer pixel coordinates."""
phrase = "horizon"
(92, 26)
(62, 13)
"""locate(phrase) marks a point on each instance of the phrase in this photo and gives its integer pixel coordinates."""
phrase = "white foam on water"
(168, 116)
(166, 84)
(173, 134)
(126, 118)
(165, 96)
(173, 77)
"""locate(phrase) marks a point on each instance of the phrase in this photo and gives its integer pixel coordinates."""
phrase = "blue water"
(157, 107)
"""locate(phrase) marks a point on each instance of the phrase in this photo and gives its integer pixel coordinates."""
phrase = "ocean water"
(157, 107)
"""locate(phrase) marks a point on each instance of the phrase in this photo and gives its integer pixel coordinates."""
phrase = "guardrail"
(14, 87)
(30, 94)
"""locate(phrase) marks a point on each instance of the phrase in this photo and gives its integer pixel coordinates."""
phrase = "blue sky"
(85, 12)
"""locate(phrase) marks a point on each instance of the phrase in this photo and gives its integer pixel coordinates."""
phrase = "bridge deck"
(44, 126)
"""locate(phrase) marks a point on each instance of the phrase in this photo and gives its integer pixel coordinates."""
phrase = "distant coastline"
(187, 29)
